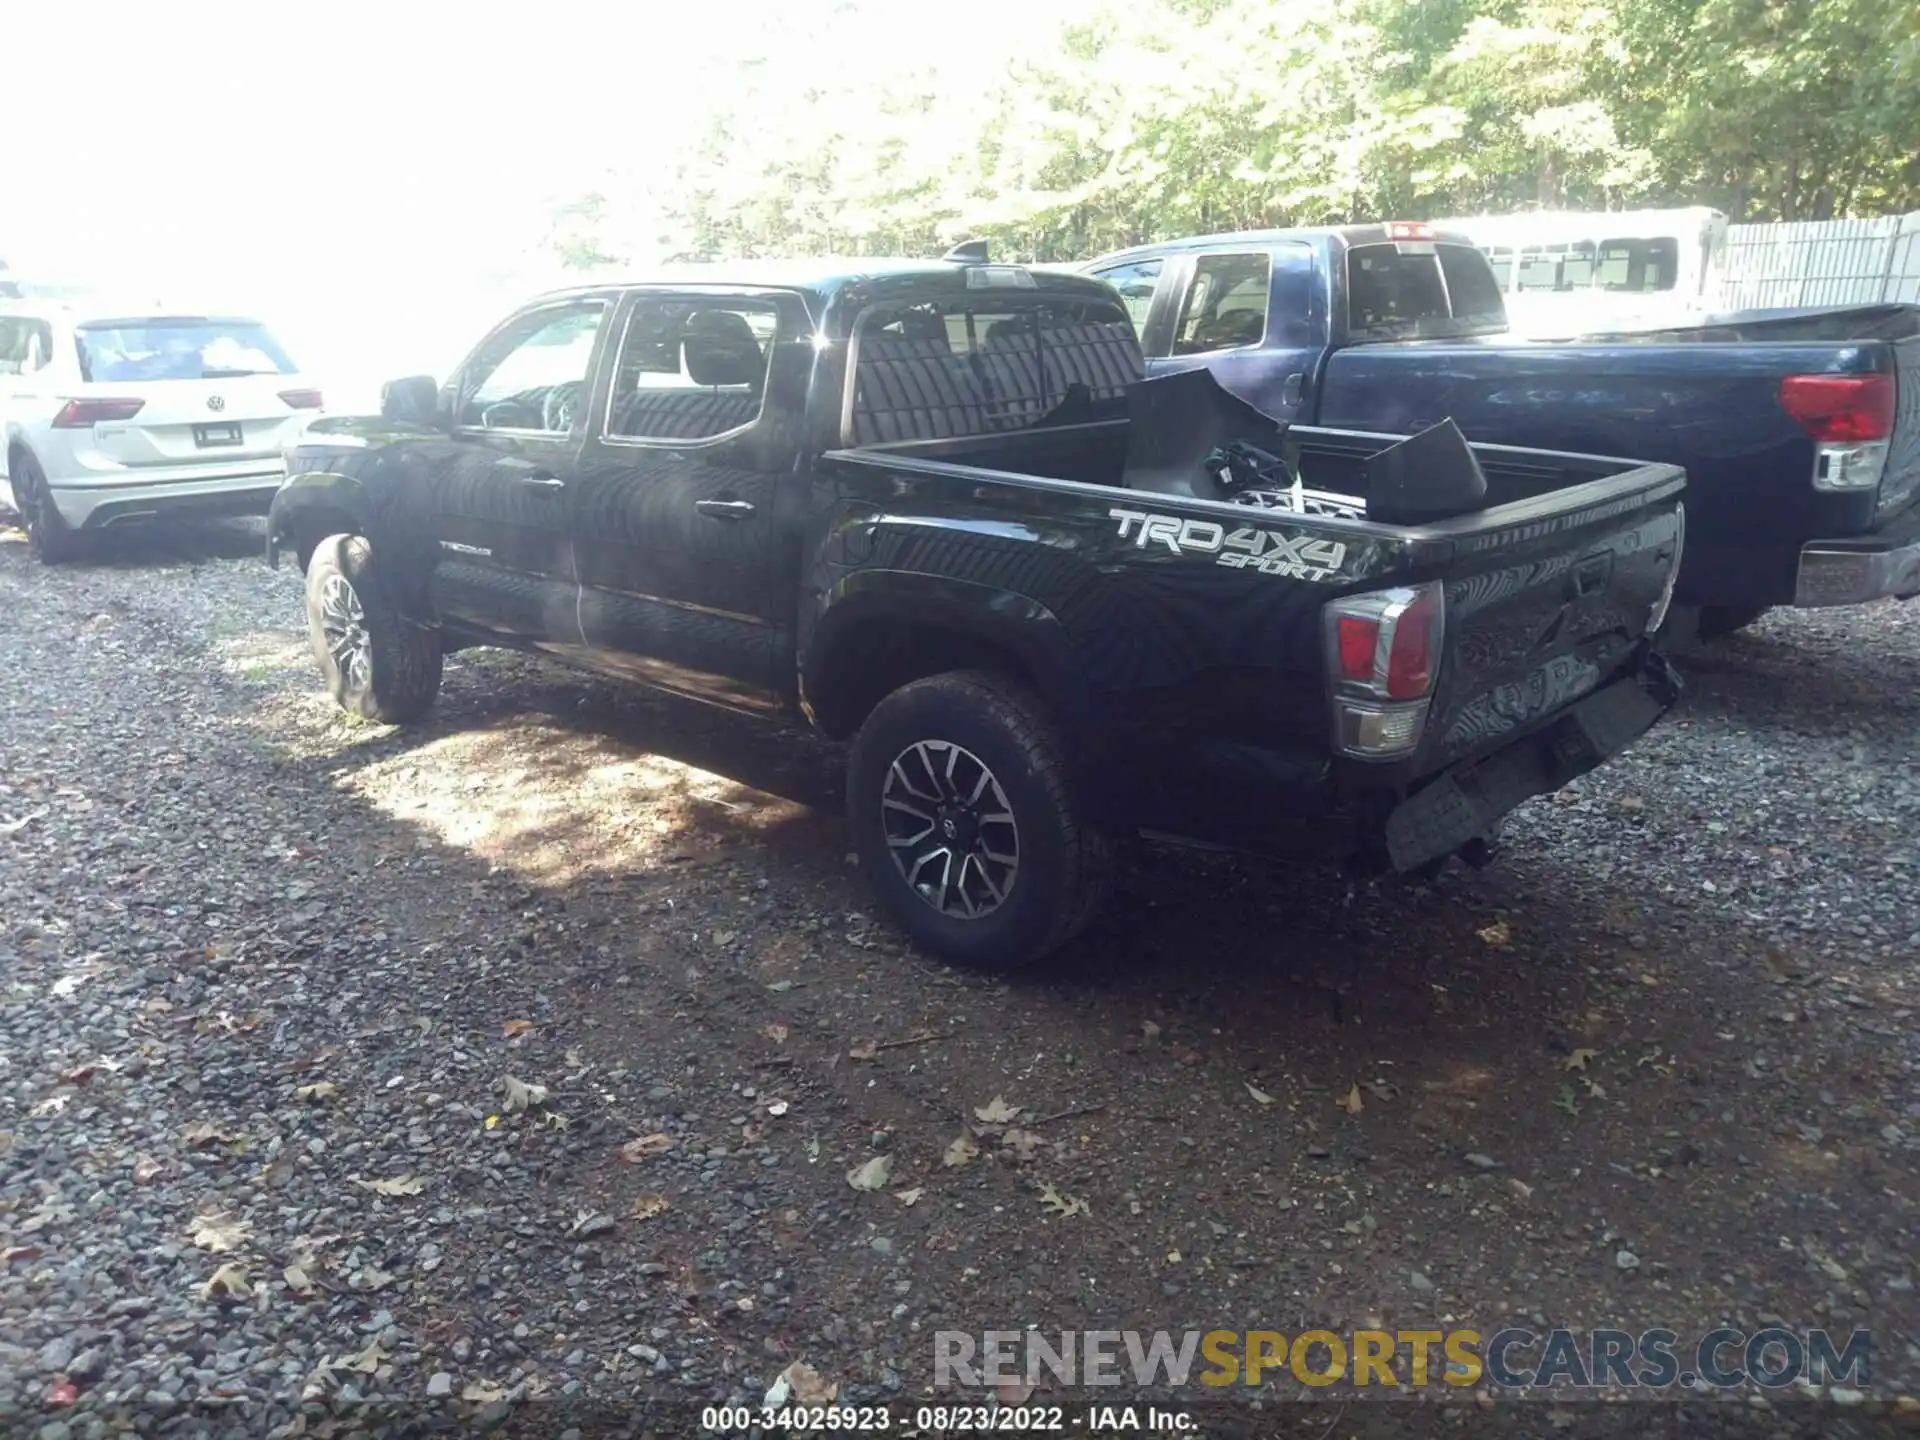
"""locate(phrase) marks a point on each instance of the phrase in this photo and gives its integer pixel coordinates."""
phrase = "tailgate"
(1546, 601)
(1901, 479)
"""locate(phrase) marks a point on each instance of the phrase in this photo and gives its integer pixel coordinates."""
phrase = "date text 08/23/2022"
(949, 1419)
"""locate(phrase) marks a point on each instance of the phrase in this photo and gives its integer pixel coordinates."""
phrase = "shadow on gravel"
(1792, 682)
(1436, 1103)
(170, 543)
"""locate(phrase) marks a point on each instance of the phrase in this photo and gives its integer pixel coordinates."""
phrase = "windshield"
(1419, 291)
(182, 349)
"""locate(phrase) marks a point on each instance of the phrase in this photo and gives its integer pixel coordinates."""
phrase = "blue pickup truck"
(1799, 430)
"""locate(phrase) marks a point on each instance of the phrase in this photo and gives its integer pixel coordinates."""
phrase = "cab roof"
(824, 279)
(1341, 236)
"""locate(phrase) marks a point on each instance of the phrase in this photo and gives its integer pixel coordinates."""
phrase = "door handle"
(725, 509)
(543, 482)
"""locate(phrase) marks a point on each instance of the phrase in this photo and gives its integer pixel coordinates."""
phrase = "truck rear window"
(1419, 291)
(186, 348)
(944, 370)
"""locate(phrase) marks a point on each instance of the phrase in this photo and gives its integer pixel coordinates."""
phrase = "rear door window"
(947, 369)
(1421, 291)
(1136, 283)
(1225, 307)
(690, 369)
(186, 348)
(26, 344)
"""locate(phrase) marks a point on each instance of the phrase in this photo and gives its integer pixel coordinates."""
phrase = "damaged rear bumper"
(1463, 804)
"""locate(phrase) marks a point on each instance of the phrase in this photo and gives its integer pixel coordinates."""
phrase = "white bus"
(1567, 273)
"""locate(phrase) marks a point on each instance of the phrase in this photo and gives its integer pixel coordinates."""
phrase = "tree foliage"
(1155, 118)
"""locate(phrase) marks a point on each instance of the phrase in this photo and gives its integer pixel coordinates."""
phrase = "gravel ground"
(522, 1058)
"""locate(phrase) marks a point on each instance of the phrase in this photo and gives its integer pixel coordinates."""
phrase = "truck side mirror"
(414, 400)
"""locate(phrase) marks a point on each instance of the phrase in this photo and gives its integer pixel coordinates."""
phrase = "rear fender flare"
(1005, 620)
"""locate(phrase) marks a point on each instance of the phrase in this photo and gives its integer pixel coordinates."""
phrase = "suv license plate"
(207, 436)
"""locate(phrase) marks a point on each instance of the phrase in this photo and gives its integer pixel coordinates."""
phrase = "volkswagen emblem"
(216, 402)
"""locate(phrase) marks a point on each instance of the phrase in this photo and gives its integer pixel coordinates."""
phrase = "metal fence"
(1821, 262)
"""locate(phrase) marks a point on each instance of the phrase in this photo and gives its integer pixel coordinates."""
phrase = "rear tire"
(50, 540)
(1719, 620)
(951, 778)
(377, 664)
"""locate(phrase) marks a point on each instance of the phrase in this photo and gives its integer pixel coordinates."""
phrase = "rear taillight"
(1383, 649)
(301, 399)
(79, 414)
(1409, 230)
(1840, 409)
(1850, 418)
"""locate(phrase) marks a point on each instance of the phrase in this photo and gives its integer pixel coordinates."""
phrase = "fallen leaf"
(79, 1075)
(156, 1005)
(296, 1279)
(521, 1095)
(277, 1171)
(1260, 1096)
(996, 1112)
(646, 1147)
(909, 1197)
(808, 1386)
(648, 1206)
(62, 1392)
(776, 1033)
(52, 1105)
(1579, 1059)
(1497, 935)
(1149, 1032)
(204, 1132)
(6, 1141)
(483, 1392)
(1351, 1102)
(19, 1252)
(864, 1050)
(228, 1280)
(372, 1278)
(493, 1122)
(319, 1090)
(960, 1152)
(554, 1120)
(872, 1175)
(368, 1360)
(515, 1028)
(146, 1169)
(404, 1185)
(1023, 1143)
(1520, 1188)
(217, 1231)
(1062, 1205)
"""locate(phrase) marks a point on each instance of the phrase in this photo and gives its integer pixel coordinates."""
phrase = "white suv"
(113, 418)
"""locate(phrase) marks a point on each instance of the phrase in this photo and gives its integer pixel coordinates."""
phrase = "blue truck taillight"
(1850, 418)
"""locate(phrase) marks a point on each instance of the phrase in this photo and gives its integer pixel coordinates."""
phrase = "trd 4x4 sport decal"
(1298, 557)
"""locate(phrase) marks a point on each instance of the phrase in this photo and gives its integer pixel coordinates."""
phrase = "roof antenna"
(968, 252)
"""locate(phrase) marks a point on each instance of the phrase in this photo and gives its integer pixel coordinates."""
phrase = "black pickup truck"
(933, 506)
(1799, 431)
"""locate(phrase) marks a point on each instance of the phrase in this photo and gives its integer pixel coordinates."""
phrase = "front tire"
(376, 663)
(50, 540)
(965, 823)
